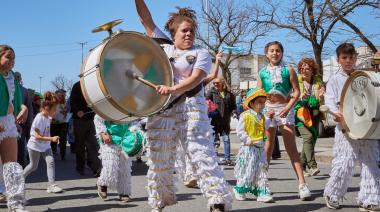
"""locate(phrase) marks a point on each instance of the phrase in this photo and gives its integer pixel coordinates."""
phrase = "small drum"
(107, 88)
(360, 105)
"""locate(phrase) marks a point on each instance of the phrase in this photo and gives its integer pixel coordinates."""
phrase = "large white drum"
(360, 105)
(114, 95)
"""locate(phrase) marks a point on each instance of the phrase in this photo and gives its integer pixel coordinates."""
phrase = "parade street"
(80, 192)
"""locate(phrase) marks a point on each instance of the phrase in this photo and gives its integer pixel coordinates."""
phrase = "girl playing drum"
(186, 122)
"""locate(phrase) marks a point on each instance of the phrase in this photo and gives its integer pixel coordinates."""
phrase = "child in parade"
(40, 139)
(347, 151)
(251, 162)
(10, 105)
(116, 141)
(280, 83)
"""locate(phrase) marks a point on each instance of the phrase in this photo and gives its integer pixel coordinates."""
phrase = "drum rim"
(353, 76)
(85, 92)
(100, 74)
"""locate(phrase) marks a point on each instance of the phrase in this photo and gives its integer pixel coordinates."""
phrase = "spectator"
(24, 119)
(59, 124)
(84, 132)
(221, 122)
(239, 102)
(36, 103)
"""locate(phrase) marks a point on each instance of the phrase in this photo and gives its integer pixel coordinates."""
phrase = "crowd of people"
(32, 126)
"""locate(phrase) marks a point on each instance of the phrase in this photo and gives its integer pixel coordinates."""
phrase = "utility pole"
(40, 84)
(82, 46)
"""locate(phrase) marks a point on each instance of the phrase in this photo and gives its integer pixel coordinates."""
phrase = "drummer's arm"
(214, 73)
(191, 82)
(331, 97)
(145, 17)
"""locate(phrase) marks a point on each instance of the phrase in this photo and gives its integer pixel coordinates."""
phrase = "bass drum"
(360, 105)
(110, 92)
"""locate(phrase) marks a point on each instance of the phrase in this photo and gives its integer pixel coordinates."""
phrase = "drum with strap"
(360, 105)
(105, 76)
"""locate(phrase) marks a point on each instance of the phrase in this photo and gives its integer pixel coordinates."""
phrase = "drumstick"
(326, 109)
(133, 75)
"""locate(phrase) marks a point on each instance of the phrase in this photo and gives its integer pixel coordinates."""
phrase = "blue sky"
(45, 33)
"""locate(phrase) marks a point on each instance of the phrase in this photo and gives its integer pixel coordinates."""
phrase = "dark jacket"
(226, 106)
(78, 103)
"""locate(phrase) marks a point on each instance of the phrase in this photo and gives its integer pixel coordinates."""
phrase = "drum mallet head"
(326, 109)
(130, 73)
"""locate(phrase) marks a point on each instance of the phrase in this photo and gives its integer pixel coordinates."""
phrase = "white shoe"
(18, 210)
(238, 196)
(304, 192)
(306, 174)
(266, 199)
(54, 189)
(314, 171)
(156, 210)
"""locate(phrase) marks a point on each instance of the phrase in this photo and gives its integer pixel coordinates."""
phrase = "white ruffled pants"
(347, 153)
(116, 171)
(186, 123)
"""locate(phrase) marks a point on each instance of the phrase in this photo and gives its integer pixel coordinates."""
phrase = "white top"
(334, 88)
(185, 61)
(9, 79)
(41, 123)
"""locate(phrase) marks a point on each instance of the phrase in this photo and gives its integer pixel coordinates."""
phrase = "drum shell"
(368, 128)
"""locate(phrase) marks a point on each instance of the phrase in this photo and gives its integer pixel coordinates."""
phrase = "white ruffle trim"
(8, 122)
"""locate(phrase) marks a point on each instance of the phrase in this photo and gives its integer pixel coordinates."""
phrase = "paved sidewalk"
(323, 148)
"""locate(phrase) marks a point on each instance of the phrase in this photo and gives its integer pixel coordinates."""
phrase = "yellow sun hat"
(252, 94)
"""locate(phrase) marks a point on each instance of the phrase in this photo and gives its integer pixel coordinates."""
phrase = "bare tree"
(357, 31)
(311, 20)
(61, 82)
(233, 24)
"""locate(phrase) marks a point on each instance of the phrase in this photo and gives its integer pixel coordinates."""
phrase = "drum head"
(359, 104)
(140, 54)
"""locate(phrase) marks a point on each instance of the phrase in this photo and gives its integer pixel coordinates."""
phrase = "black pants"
(21, 145)
(59, 129)
(84, 132)
(276, 150)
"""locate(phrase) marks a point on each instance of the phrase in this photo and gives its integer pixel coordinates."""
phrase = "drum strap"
(187, 94)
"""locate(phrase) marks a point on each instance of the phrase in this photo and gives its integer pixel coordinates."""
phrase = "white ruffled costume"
(251, 169)
(116, 171)
(186, 123)
(348, 152)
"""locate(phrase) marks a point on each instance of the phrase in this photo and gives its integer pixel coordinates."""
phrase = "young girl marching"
(10, 105)
(116, 172)
(280, 83)
(251, 164)
(39, 142)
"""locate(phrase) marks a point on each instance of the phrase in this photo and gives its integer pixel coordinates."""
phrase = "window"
(244, 71)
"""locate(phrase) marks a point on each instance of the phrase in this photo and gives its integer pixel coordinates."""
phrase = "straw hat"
(252, 94)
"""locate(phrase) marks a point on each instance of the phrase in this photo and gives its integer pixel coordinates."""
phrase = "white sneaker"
(314, 171)
(238, 196)
(156, 210)
(267, 198)
(18, 210)
(54, 189)
(304, 192)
